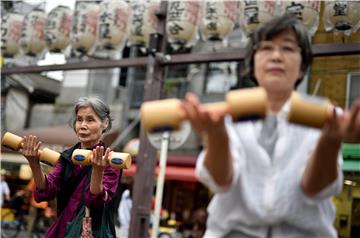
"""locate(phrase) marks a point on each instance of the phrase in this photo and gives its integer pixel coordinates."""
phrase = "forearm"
(321, 169)
(96, 182)
(217, 158)
(38, 175)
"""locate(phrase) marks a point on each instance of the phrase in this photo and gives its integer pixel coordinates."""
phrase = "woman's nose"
(83, 124)
(276, 54)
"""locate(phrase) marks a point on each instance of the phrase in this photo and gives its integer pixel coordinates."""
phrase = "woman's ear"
(106, 123)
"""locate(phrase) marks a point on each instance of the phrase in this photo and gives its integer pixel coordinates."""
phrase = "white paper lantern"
(143, 22)
(33, 33)
(306, 10)
(255, 13)
(58, 28)
(342, 16)
(84, 27)
(113, 24)
(11, 25)
(218, 19)
(182, 22)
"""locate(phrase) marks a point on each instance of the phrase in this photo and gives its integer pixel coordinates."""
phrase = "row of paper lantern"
(111, 23)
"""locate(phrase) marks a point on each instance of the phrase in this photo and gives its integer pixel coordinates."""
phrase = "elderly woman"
(272, 178)
(75, 185)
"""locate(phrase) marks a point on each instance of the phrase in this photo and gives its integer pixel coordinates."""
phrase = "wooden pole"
(146, 159)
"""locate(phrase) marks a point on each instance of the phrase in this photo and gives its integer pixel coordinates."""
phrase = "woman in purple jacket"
(73, 185)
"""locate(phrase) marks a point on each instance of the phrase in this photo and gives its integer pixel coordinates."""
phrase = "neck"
(86, 145)
(277, 100)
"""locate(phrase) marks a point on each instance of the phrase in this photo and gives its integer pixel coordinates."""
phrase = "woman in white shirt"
(272, 178)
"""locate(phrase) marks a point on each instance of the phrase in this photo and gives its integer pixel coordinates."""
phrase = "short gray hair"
(101, 109)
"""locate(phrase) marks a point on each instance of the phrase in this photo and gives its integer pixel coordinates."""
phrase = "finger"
(330, 121)
(107, 152)
(34, 141)
(355, 113)
(190, 105)
(38, 144)
(194, 110)
(97, 156)
(93, 159)
(101, 152)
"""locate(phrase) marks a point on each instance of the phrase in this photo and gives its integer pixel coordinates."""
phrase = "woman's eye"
(288, 48)
(266, 48)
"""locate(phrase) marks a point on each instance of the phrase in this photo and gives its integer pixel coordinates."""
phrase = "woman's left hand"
(351, 124)
(100, 160)
(344, 127)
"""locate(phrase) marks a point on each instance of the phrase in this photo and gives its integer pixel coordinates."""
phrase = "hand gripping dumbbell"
(116, 160)
(167, 114)
(13, 142)
(311, 111)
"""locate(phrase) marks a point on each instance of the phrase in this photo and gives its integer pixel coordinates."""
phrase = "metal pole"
(160, 183)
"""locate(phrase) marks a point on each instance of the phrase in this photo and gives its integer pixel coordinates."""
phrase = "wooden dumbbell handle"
(309, 112)
(116, 160)
(243, 104)
(13, 142)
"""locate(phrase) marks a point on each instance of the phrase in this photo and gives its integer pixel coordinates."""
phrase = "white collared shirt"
(265, 192)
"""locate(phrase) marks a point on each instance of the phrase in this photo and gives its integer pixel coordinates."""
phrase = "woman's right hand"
(204, 121)
(30, 148)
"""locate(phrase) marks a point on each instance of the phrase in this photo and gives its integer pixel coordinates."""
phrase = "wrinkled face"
(277, 63)
(88, 127)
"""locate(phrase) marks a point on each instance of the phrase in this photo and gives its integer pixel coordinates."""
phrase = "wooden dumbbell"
(117, 159)
(167, 114)
(310, 111)
(13, 142)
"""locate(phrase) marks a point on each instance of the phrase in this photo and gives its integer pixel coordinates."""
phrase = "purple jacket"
(54, 185)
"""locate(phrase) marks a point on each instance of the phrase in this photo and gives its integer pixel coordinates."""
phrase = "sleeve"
(52, 185)
(6, 190)
(236, 153)
(110, 183)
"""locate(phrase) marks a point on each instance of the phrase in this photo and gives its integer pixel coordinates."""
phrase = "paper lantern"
(33, 33)
(113, 24)
(11, 25)
(342, 16)
(254, 13)
(58, 28)
(143, 22)
(308, 11)
(182, 22)
(84, 27)
(218, 19)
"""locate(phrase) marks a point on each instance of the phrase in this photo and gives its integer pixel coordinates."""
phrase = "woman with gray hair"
(75, 185)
